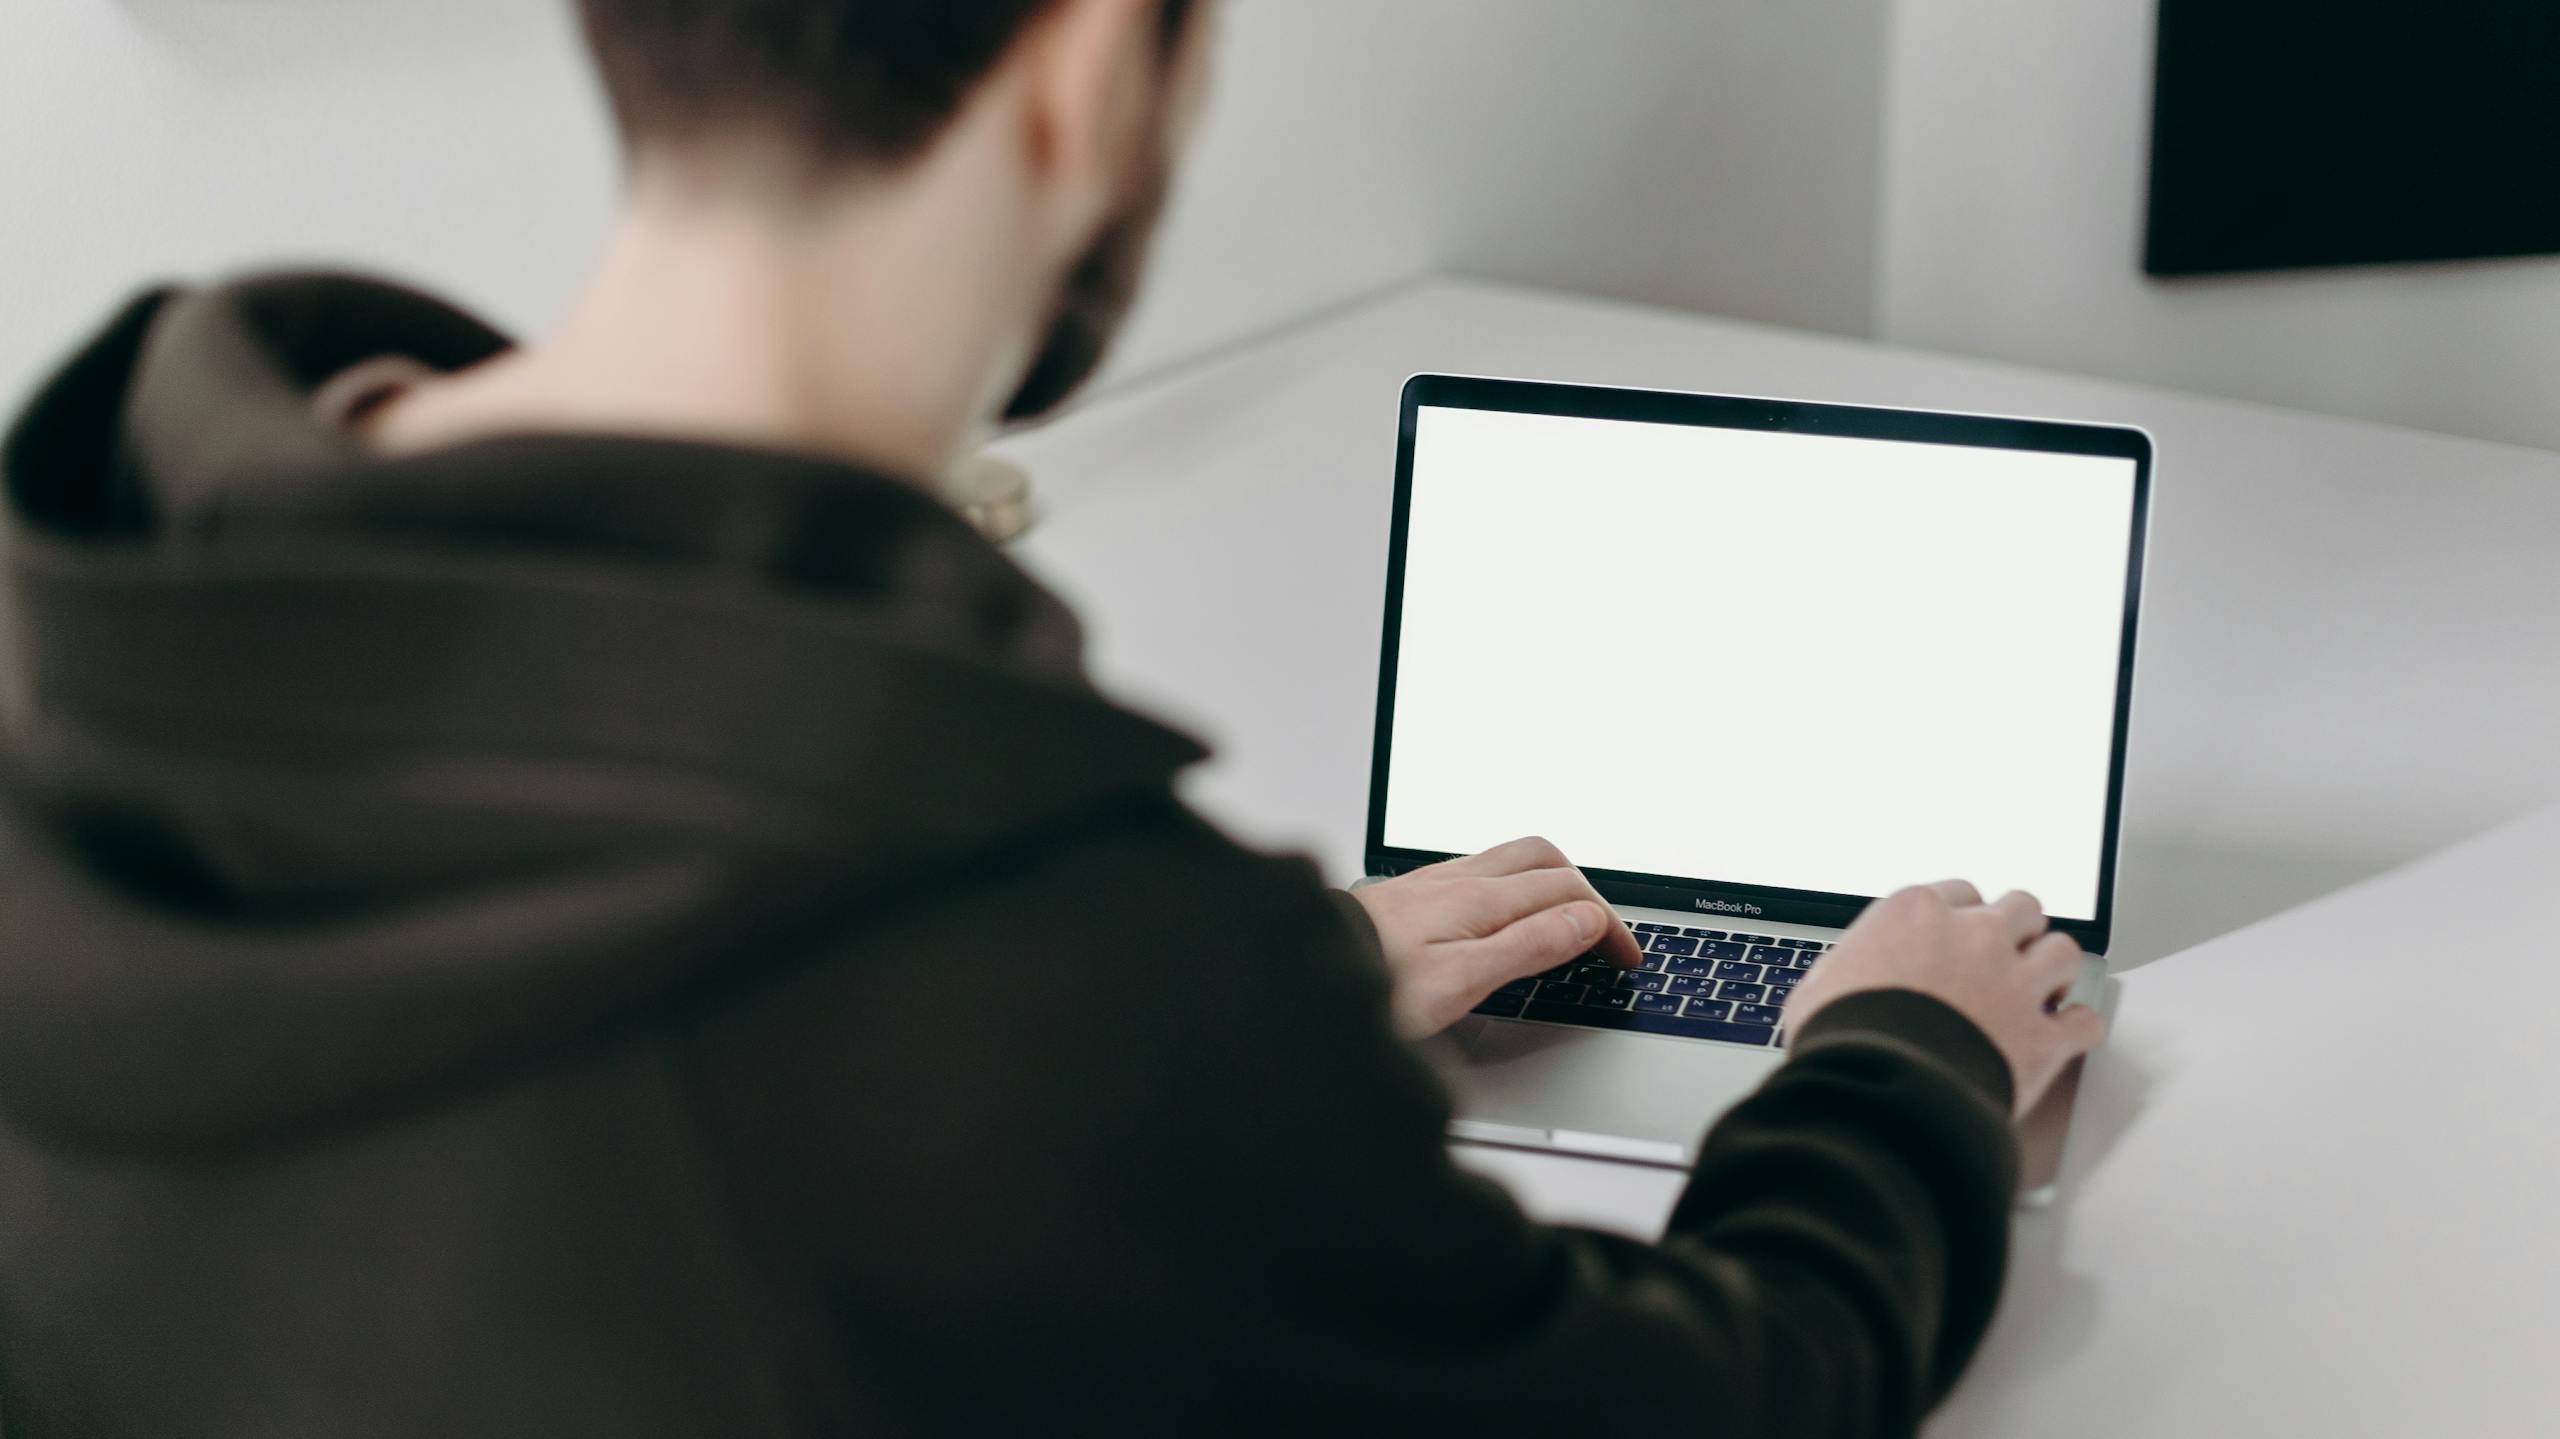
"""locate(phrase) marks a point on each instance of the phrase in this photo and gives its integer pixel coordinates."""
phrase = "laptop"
(1751, 664)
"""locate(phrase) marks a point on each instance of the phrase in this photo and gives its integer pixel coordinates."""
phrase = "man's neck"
(861, 326)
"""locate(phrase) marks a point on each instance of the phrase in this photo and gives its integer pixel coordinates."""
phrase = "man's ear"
(1090, 74)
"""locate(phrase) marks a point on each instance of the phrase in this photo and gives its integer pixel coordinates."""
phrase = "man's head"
(1084, 101)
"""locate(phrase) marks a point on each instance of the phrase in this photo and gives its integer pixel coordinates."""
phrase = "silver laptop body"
(1751, 663)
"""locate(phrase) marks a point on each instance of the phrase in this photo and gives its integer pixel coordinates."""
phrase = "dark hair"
(858, 80)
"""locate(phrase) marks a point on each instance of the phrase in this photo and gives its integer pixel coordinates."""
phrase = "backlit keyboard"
(1694, 984)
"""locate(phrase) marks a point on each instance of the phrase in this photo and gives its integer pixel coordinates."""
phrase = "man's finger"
(1506, 900)
(2057, 946)
(2024, 917)
(1535, 944)
(1496, 902)
(1618, 945)
(1512, 858)
(2057, 959)
(1959, 894)
(2083, 1028)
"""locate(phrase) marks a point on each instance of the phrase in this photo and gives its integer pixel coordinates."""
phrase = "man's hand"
(1994, 964)
(1456, 932)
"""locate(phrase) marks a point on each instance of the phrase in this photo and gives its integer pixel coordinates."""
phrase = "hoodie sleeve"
(1358, 926)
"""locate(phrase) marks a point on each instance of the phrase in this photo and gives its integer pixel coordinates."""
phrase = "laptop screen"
(1760, 658)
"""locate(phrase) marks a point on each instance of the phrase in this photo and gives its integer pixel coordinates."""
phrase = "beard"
(1093, 303)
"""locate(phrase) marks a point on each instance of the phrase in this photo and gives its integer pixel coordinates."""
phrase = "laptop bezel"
(1706, 897)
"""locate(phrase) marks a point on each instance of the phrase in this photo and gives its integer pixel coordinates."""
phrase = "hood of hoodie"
(333, 783)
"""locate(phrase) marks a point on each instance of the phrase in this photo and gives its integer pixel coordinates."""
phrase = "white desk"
(2351, 657)
(2308, 1198)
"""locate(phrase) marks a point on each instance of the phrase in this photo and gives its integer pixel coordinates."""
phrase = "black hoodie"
(573, 935)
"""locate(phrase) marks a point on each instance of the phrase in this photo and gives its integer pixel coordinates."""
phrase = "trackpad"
(1629, 1096)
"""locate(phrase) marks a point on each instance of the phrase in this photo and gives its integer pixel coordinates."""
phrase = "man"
(557, 890)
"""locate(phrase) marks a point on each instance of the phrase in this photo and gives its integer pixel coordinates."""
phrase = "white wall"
(454, 143)
(2016, 163)
(1718, 153)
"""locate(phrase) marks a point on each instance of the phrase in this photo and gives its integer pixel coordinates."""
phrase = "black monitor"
(2299, 133)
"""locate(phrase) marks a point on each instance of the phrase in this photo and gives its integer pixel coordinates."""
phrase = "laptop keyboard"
(1695, 984)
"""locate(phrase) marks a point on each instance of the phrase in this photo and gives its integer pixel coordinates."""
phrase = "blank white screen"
(1745, 658)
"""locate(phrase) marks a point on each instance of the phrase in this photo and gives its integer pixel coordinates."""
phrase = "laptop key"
(1737, 969)
(1672, 944)
(1613, 998)
(1756, 1014)
(1757, 938)
(1553, 992)
(1686, 964)
(1652, 983)
(1677, 1025)
(1704, 933)
(1691, 984)
(1657, 929)
(1750, 992)
(1801, 943)
(1771, 954)
(1719, 949)
(1729, 1033)
(1651, 961)
(1596, 974)
(1783, 980)
(1519, 988)
(1714, 1009)
(1658, 1003)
